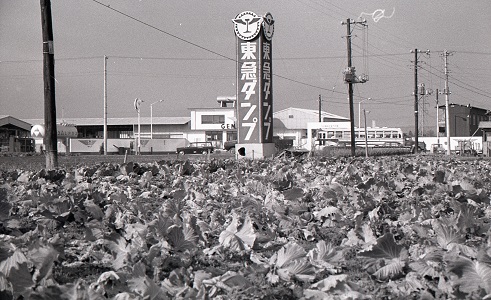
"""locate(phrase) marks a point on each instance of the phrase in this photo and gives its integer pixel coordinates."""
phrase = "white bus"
(322, 134)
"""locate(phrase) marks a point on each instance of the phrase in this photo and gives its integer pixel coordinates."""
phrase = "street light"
(151, 118)
(359, 111)
(137, 107)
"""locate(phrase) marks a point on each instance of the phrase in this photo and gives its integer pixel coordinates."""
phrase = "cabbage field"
(387, 227)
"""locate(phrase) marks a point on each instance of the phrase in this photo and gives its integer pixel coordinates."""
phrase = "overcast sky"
(183, 52)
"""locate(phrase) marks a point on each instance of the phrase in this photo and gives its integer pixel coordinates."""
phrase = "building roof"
(297, 118)
(461, 105)
(8, 121)
(118, 121)
(312, 112)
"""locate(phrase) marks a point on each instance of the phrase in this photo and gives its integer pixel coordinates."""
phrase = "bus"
(321, 134)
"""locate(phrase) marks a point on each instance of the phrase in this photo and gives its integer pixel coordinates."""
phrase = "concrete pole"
(105, 105)
(447, 106)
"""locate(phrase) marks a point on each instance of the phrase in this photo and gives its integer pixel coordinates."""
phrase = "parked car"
(196, 148)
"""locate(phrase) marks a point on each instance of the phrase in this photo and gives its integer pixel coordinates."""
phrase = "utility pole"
(446, 91)
(416, 105)
(320, 109)
(437, 120)
(51, 136)
(416, 96)
(350, 78)
(105, 105)
(366, 133)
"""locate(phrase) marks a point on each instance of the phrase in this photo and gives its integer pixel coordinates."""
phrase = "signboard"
(63, 131)
(254, 77)
(266, 84)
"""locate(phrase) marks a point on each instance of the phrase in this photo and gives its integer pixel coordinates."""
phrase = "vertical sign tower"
(254, 85)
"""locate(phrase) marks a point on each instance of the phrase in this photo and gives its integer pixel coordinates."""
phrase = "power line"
(163, 31)
(473, 90)
(196, 45)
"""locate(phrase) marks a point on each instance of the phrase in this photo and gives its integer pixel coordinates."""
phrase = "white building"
(212, 124)
(291, 123)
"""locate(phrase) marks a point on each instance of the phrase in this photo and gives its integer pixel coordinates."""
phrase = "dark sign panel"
(266, 93)
(254, 82)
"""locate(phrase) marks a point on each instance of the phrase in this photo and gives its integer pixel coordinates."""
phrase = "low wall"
(95, 146)
(161, 145)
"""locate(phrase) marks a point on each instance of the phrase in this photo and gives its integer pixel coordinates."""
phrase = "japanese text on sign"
(248, 97)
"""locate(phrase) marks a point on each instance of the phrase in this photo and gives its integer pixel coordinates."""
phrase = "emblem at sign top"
(247, 25)
(268, 26)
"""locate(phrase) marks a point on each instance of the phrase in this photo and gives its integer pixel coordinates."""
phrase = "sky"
(183, 52)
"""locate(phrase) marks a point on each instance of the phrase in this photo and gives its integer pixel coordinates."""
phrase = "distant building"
(15, 135)
(463, 120)
(163, 134)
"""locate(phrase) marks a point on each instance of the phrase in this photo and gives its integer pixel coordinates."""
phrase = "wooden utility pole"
(51, 138)
(350, 78)
(320, 108)
(350, 88)
(416, 97)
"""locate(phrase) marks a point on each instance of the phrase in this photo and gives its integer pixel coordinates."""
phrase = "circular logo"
(268, 26)
(247, 25)
(37, 131)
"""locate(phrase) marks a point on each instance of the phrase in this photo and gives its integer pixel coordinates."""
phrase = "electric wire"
(163, 31)
(196, 45)
(473, 90)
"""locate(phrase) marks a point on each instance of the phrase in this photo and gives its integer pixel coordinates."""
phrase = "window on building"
(124, 135)
(212, 119)
(290, 116)
(214, 136)
(231, 135)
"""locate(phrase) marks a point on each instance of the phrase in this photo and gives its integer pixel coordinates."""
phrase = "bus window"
(379, 134)
(330, 134)
(395, 134)
(347, 135)
(387, 134)
(338, 134)
(371, 134)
